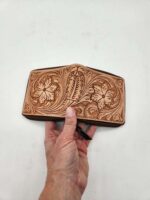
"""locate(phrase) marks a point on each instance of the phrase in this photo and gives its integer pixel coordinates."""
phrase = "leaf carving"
(75, 85)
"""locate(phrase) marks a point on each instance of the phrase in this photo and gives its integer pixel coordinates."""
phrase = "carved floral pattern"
(94, 95)
(45, 91)
(102, 95)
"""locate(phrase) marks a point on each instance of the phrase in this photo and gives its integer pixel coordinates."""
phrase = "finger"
(61, 127)
(91, 131)
(82, 147)
(83, 125)
(50, 134)
(70, 124)
(86, 128)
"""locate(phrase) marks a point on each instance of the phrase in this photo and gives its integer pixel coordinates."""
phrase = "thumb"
(70, 124)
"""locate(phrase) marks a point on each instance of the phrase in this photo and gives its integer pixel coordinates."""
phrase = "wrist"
(61, 187)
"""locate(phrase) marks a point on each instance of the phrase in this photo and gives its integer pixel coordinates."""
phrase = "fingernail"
(70, 112)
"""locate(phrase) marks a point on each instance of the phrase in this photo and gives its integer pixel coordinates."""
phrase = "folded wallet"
(98, 97)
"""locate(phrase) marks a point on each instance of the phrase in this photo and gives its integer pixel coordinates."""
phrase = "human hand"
(67, 163)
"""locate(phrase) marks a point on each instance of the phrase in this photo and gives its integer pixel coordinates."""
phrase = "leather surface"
(97, 96)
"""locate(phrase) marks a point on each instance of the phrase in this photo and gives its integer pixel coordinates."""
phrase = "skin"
(67, 162)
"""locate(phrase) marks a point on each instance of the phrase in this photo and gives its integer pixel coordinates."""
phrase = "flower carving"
(102, 95)
(45, 91)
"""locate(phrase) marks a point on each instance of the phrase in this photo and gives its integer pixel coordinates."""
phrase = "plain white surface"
(109, 35)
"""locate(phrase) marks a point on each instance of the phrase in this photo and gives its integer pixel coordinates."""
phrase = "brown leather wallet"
(97, 96)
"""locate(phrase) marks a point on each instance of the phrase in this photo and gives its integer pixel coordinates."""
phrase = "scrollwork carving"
(94, 94)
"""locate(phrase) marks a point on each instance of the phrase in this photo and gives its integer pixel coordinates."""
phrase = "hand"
(66, 154)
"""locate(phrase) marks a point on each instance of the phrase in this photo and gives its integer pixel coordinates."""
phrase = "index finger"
(50, 127)
(91, 131)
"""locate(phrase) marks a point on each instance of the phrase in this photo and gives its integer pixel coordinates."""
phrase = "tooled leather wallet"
(98, 97)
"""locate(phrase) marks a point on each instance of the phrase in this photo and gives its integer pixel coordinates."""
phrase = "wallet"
(98, 97)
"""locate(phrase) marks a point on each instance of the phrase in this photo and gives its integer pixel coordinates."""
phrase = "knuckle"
(69, 127)
(70, 121)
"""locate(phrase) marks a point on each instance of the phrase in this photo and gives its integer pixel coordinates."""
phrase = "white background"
(109, 35)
